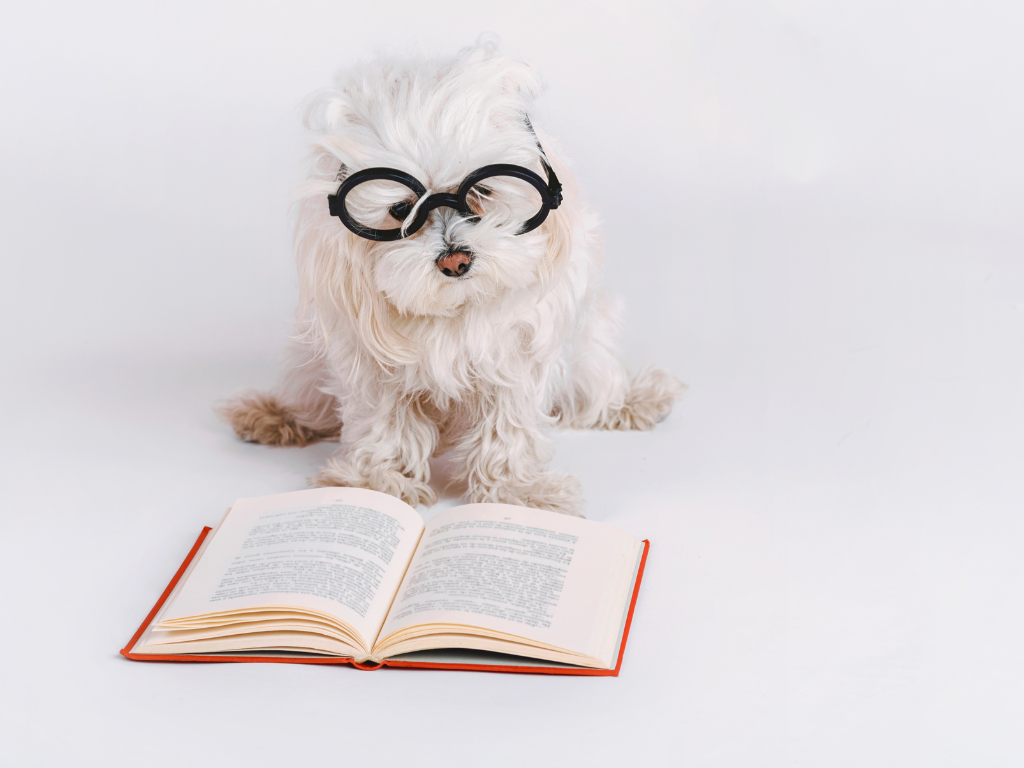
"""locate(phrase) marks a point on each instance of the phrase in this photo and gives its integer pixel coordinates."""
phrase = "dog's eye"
(476, 198)
(400, 210)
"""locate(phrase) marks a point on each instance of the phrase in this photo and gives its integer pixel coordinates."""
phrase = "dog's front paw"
(551, 491)
(337, 472)
(648, 400)
(259, 417)
(558, 493)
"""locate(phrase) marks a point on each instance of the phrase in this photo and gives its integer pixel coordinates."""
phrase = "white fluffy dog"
(469, 334)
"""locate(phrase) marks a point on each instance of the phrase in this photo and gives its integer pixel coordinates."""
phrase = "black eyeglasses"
(378, 193)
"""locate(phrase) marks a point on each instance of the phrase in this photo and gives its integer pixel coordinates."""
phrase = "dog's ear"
(326, 112)
(485, 63)
(330, 118)
(520, 79)
(335, 288)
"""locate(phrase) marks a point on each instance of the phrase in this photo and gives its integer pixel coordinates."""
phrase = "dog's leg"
(297, 412)
(600, 393)
(386, 446)
(503, 456)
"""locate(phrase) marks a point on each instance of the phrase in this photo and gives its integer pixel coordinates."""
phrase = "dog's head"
(435, 122)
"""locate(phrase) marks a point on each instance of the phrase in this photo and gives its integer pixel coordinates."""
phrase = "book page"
(556, 581)
(337, 551)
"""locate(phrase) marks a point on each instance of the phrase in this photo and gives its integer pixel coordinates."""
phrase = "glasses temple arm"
(554, 185)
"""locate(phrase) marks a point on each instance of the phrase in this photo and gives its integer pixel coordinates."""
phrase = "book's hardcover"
(483, 664)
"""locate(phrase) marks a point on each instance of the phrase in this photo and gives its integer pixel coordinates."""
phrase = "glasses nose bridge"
(434, 202)
(440, 200)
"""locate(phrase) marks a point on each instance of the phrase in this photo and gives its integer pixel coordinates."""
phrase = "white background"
(813, 212)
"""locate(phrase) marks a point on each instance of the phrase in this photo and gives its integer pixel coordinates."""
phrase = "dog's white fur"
(415, 362)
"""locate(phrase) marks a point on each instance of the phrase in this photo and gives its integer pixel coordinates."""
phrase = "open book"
(348, 575)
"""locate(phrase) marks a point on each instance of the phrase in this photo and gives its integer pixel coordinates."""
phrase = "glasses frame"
(550, 196)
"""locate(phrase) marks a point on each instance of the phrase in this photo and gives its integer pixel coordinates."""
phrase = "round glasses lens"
(504, 200)
(380, 204)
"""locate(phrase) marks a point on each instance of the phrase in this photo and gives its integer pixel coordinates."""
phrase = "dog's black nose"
(455, 263)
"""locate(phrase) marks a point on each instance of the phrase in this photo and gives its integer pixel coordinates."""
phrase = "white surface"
(814, 214)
